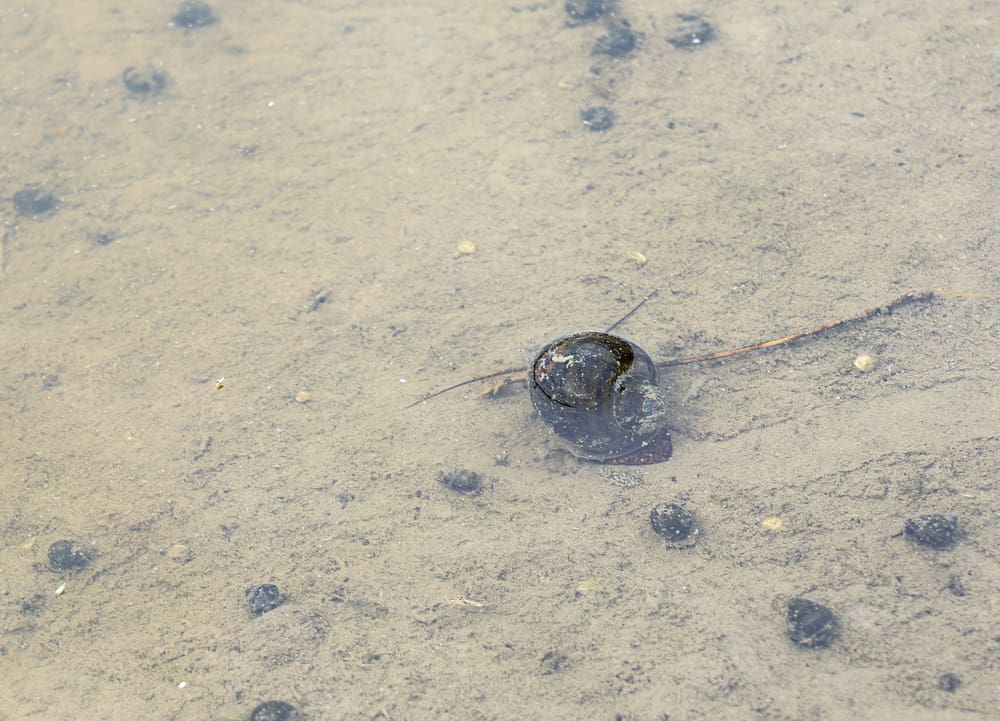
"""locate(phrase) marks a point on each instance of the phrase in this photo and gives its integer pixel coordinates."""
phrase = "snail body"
(598, 392)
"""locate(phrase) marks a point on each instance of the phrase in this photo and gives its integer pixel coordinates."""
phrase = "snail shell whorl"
(599, 393)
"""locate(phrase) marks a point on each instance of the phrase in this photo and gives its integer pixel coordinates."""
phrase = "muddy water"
(208, 346)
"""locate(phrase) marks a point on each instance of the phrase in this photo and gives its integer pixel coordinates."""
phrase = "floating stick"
(916, 296)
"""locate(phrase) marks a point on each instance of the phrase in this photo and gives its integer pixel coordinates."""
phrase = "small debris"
(462, 481)
(467, 247)
(771, 524)
(864, 363)
(936, 529)
(463, 601)
(637, 257)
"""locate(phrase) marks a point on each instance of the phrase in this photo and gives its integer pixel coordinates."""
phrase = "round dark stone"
(810, 623)
(33, 201)
(936, 529)
(145, 81)
(586, 10)
(194, 14)
(949, 682)
(67, 555)
(263, 598)
(462, 480)
(692, 32)
(597, 119)
(275, 711)
(671, 521)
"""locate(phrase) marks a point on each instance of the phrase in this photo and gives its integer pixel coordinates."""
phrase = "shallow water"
(209, 345)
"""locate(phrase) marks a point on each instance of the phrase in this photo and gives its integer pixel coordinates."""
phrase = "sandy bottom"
(209, 345)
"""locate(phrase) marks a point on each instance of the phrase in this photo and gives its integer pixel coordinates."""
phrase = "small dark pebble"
(618, 42)
(147, 81)
(194, 14)
(692, 32)
(104, 237)
(810, 623)
(33, 201)
(949, 682)
(66, 555)
(671, 521)
(936, 529)
(598, 119)
(264, 598)
(586, 10)
(462, 480)
(275, 711)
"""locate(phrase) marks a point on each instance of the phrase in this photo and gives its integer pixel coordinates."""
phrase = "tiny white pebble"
(61, 590)
(182, 684)
(402, 380)
(864, 363)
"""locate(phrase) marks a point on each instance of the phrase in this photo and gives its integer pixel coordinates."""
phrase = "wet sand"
(286, 216)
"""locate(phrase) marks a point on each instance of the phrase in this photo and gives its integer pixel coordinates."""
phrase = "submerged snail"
(598, 392)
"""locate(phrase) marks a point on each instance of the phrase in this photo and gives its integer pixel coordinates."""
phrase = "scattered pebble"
(810, 624)
(955, 586)
(33, 201)
(467, 247)
(586, 10)
(672, 522)
(104, 237)
(67, 555)
(771, 524)
(864, 363)
(597, 119)
(263, 598)
(462, 480)
(949, 682)
(194, 14)
(618, 42)
(179, 553)
(275, 711)
(303, 397)
(147, 81)
(936, 529)
(692, 32)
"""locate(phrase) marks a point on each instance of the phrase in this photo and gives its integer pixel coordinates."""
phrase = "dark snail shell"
(598, 392)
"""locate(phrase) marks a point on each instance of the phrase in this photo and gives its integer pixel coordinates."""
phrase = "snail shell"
(598, 392)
